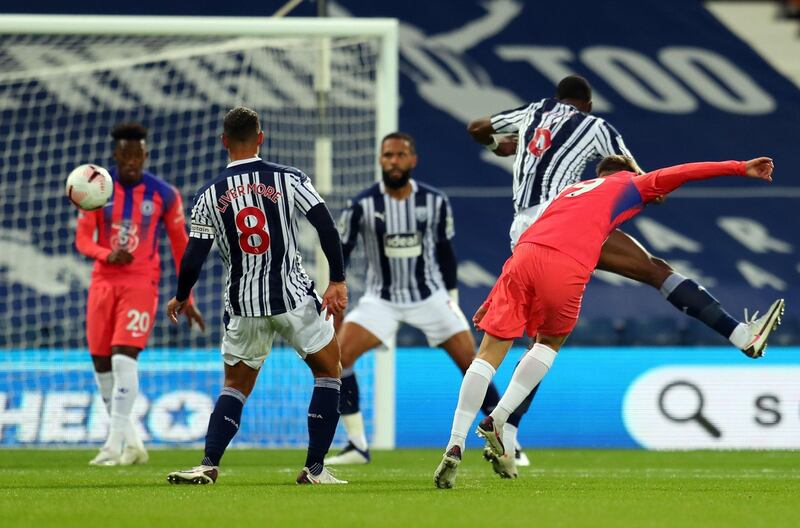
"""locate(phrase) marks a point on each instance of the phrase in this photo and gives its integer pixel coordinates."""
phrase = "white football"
(89, 186)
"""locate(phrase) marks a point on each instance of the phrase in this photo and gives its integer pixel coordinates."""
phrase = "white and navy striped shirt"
(251, 211)
(400, 238)
(556, 141)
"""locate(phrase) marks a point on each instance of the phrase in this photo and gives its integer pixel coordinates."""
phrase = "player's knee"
(348, 354)
(661, 270)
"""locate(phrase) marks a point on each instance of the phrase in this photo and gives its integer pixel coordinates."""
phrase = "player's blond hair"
(616, 163)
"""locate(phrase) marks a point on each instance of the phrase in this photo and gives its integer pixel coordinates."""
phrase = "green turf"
(256, 488)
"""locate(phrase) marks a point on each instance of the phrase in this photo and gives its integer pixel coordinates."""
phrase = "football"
(89, 186)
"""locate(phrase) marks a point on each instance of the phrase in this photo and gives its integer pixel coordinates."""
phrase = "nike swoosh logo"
(137, 334)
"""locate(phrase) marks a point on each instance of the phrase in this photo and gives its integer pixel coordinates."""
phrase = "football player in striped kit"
(553, 139)
(251, 210)
(406, 227)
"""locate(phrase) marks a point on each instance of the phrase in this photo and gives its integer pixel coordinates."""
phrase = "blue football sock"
(323, 416)
(694, 300)
(348, 403)
(223, 424)
(490, 400)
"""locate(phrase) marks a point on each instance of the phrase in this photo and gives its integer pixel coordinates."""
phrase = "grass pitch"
(573, 488)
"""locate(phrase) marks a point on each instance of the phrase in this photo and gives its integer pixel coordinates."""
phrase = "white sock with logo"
(126, 388)
(354, 425)
(470, 397)
(530, 371)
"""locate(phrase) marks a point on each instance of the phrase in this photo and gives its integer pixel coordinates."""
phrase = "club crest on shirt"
(422, 214)
(125, 236)
(148, 207)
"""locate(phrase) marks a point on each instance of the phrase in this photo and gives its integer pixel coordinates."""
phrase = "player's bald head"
(614, 164)
(241, 125)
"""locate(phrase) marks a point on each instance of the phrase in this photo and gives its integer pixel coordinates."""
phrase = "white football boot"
(105, 457)
(349, 455)
(196, 475)
(326, 477)
(492, 434)
(761, 327)
(133, 455)
(445, 475)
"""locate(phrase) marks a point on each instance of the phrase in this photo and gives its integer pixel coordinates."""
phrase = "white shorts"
(438, 317)
(249, 339)
(523, 220)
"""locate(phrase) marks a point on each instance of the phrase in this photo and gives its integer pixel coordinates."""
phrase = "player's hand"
(174, 309)
(478, 317)
(119, 257)
(335, 299)
(194, 315)
(760, 168)
(506, 146)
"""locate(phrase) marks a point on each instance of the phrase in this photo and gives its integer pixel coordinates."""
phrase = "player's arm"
(656, 184)
(349, 226)
(197, 250)
(190, 263)
(484, 129)
(86, 245)
(445, 256)
(311, 204)
(175, 226)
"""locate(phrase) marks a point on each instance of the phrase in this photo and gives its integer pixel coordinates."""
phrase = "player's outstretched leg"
(323, 414)
(623, 255)
(222, 425)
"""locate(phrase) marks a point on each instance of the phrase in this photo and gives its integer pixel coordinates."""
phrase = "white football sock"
(510, 438)
(126, 388)
(354, 425)
(530, 371)
(470, 397)
(132, 436)
(741, 336)
(105, 382)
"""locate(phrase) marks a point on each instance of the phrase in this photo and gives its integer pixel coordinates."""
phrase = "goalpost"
(327, 91)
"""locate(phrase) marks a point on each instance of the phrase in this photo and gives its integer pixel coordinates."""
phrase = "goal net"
(325, 92)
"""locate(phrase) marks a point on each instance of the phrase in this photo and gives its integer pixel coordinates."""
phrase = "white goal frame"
(387, 97)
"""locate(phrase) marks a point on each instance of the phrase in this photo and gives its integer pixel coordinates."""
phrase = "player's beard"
(396, 183)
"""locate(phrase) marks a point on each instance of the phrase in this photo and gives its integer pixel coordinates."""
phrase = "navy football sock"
(694, 300)
(223, 424)
(323, 416)
(490, 400)
(348, 403)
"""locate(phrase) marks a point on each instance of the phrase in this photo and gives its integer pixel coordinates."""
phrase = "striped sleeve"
(445, 229)
(608, 141)
(305, 195)
(349, 223)
(201, 225)
(509, 120)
